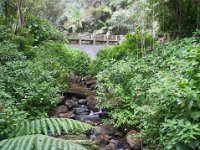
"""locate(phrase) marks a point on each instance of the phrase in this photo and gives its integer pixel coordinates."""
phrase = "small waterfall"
(91, 113)
(93, 134)
(100, 110)
(96, 113)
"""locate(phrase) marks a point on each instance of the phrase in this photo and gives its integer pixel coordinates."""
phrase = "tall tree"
(19, 13)
(177, 16)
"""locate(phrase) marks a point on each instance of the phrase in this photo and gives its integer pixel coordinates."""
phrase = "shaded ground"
(91, 50)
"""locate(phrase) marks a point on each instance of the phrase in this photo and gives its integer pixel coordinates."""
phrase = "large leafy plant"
(34, 135)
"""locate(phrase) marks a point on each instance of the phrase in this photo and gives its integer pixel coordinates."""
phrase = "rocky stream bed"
(79, 103)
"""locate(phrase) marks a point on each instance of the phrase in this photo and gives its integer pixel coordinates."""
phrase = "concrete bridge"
(92, 43)
(83, 38)
(91, 50)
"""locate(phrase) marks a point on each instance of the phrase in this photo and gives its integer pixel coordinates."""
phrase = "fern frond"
(38, 142)
(50, 126)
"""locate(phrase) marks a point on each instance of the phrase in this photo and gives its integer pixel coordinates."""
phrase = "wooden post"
(107, 35)
(79, 39)
(94, 38)
(121, 36)
(104, 37)
(94, 41)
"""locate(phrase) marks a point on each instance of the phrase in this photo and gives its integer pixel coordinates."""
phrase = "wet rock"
(134, 143)
(74, 137)
(103, 115)
(82, 101)
(78, 92)
(94, 78)
(92, 103)
(82, 83)
(67, 115)
(92, 119)
(105, 129)
(73, 78)
(110, 146)
(88, 83)
(61, 98)
(70, 104)
(118, 134)
(81, 111)
(61, 109)
(93, 86)
(93, 122)
(86, 78)
(83, 106)
(122, 144)
(102, 140)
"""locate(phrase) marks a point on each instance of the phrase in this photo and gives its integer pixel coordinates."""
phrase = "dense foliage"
(34, 65)
(135, 44)
(157, 92)
(145, 84)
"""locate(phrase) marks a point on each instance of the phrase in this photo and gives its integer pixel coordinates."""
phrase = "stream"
(79, 102)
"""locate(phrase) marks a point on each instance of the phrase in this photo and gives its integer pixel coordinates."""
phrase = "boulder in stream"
(67, 115)
(135, 143)
(92, 103)
(61, 109)
(81, 111)
(70, 104)
(78, 92)
(82, 101)
(105, 129)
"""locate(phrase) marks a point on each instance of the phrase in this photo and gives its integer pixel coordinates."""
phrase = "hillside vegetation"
(157, 93)
(149, 82)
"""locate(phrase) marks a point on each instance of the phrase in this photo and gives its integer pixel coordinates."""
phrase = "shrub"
(42, 31)
(123, 88)
(55, 55)
(130, 46)
(175, 95)
(158, 93)
(33, 72)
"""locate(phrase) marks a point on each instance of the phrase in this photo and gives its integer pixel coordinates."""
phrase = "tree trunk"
(6, 11)
(198, 15)
(177, 16)
(19, 13)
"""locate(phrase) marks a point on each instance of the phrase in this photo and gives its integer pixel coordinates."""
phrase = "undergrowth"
(157, 92)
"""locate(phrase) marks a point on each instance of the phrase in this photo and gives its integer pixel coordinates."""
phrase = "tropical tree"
(74, 19)
(15, 12)
(178, 17)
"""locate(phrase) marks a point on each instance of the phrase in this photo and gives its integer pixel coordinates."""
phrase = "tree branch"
(28, 9)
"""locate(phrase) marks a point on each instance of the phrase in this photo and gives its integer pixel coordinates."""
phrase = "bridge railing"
(95, 37)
